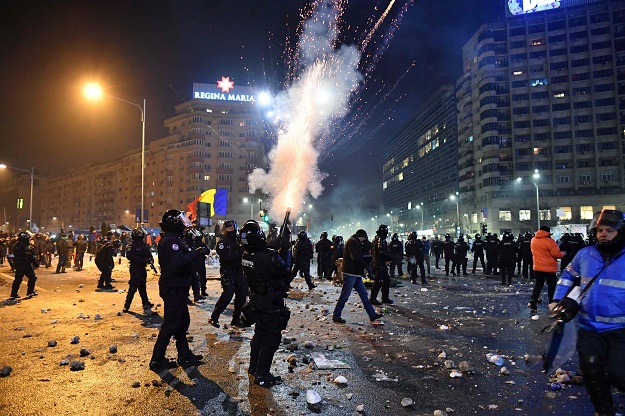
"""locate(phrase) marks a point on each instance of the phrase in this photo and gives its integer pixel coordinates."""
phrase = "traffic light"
(484, 229)
(20, 203)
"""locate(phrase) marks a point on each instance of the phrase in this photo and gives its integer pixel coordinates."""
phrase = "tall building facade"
(541, 117)
(215, 140)
(420, 168)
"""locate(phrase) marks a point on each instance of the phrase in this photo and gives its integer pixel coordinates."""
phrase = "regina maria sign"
(521, 7)
(223, 90)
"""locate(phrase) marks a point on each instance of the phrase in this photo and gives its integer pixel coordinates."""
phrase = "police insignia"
(221, 246)
(175, 246)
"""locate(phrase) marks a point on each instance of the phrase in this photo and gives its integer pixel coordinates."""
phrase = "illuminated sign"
(517, 7)
(522, 7)
(223, 90)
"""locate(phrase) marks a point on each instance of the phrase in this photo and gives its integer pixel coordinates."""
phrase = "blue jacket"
(603, 305)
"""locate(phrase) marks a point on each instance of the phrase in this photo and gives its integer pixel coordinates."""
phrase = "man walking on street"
(353, 269)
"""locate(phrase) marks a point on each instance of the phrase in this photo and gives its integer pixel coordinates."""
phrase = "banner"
(217, 198)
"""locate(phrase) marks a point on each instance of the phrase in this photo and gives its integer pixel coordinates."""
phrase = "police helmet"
(412, 236)
(302, 235)
(608, 218)
(252, 235)
(477, 236)
(395, 236)
(324, 235)
(24, 237)
(228, 224)
(447, 236)
(382, 230)
(136, 234)
(460, 238)
(117, 243)
(528, 235)
(174, 221)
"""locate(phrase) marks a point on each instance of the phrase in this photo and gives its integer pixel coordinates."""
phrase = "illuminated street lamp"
(419, 207)
(455, 199)
(535, 176)
(94, 92)
(32, 180)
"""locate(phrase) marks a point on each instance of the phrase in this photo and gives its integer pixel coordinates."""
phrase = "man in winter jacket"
(601, 318)
(545, 255)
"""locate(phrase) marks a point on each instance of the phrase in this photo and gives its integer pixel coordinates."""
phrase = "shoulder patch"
(221, 246)
(175, 247)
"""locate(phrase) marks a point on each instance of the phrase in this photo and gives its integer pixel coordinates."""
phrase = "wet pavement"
(432, 332)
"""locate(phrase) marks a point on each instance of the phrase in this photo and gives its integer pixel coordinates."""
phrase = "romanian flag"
(217, 198)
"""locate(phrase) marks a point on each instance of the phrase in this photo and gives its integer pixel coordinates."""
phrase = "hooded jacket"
(545, 252)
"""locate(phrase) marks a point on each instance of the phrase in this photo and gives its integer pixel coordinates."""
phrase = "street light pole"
(454, 198)
(537, 205)
(30, 203)
(94, 91)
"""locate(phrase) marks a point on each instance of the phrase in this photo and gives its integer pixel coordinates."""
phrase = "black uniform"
(414, 252)
(460, 256)
(303, 250)
(507, 259)
(104, 262)
(478, 253)
(25, 261)
(268, 279)
(139, 256)
(396, 247)
(437, 248)
(322, 248)
(198, 279)
(381, 255)
(448, 250)
(233, 281)
(525, 254)
(177, 265)
(336, 252)
(492, 255)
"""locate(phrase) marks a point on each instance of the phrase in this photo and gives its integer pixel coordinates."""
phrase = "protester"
(353, 269)
(545, 255)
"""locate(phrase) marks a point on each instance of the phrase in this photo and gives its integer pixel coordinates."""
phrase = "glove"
(202, 251)
(566, 309)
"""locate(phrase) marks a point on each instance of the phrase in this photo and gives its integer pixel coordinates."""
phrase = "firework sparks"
(319, 95)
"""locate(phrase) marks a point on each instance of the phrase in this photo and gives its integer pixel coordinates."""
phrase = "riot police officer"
(507, 258)
(268, 278)
(381, 255)
(460, 256)
(322, 248)
(177, 266)
(303, 253)
(525, 253)
(193, 239)
(139, 256)
(104, 262)
(396, 247)
(233, 281)
(25, 262)
(448, 251)
(478, 252)
(415, 254)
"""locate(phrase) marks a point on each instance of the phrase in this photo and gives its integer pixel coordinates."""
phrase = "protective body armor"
(265, 271)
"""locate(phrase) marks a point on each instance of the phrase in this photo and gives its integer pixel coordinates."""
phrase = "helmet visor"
(184, 220)
(607, 218)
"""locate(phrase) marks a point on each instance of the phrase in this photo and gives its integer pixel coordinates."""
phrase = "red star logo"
(225, 84)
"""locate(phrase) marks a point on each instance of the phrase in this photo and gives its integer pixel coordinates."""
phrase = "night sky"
(157, 49)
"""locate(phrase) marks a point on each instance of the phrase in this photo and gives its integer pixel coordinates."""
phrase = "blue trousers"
(352, 281)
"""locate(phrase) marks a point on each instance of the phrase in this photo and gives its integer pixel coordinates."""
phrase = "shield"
(562, 346)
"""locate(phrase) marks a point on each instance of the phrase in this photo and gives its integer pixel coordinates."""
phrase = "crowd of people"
(257, 271)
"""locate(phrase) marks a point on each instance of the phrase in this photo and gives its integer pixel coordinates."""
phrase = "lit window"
(545, 215)
(505, 216)
(525, 215)
(609, 207)
(559, 95)
(586, 212)
(566, 213)
(517, 73)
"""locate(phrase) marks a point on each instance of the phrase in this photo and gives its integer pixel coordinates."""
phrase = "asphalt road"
(458, 319)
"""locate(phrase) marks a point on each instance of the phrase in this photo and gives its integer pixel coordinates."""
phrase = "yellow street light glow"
(93, 91)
